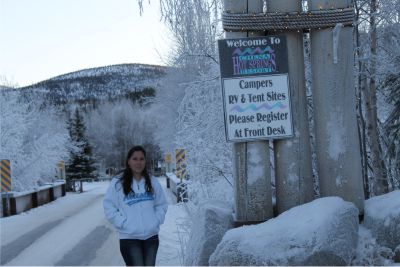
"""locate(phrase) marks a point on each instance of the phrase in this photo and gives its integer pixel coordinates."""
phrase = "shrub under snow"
(33, 139)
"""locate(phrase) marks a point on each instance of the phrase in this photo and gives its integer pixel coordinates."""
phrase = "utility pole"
(337, 141)
(293, 171)
(253, 197)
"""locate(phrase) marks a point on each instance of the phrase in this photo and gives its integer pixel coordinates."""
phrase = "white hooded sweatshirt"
(139, 214)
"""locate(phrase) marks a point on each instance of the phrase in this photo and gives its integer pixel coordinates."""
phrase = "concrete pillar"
(293, 168)
(338, 146)
(252, 174)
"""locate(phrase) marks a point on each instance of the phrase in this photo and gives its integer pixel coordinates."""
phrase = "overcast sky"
(40, 39)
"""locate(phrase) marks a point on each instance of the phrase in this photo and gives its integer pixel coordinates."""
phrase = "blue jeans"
(139, 252)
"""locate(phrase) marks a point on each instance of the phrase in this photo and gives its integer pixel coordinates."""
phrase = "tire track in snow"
(85, 251)
(13, 249)
(65, 236)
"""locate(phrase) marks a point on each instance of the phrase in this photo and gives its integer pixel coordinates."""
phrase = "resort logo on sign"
(255, 88)
(253, 56)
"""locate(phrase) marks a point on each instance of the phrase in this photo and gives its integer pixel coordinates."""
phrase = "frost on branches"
(195, 27)
(34, 140)
(201, 132)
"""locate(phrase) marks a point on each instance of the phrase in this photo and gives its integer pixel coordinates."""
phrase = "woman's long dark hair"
(127, 176)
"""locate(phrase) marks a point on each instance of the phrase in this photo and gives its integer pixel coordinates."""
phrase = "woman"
(135, 204)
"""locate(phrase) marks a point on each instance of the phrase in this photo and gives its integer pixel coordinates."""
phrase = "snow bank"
(382, 217)
(369, 252)
(322, 232)
(210, 223)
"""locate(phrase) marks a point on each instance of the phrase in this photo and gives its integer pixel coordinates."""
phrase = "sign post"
(336, 134)
(244, 59)
(6, 185)
(250, 63)
(292, 157)
(168, 159)
(180, 155)
(5, 174)
(61, 169)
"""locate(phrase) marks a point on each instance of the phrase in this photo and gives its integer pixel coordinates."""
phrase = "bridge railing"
(16, 202)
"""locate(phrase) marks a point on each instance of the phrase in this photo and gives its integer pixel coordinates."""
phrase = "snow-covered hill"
(103, 83)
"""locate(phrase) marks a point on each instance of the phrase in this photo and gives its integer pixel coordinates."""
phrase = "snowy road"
(73, 231)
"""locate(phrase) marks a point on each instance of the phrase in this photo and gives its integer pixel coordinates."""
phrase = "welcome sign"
(254, 74)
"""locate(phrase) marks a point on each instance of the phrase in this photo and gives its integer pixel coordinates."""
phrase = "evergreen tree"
(82, 163)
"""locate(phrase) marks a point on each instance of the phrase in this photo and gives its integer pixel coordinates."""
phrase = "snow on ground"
(299, 236)
(72, 230)
(279, 239)
(368, 250)
(172, 232)
(16, 226)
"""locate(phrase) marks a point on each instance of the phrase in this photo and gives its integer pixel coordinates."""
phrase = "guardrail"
(15, 202)
(177, 186)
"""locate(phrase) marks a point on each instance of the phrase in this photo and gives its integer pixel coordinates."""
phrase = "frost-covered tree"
(81, 163)
(390, 89)
(194, 25)
(374, 65)
(114, 128)
(34, 140)
(165, 106)
(392, 130)
(379, 184)
(201, 132)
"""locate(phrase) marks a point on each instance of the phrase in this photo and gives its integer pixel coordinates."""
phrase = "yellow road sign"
(180, 156)
(5, 175)
(167, 158)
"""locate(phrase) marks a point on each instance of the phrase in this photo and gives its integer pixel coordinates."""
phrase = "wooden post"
(13, 206)
(293, 170)
(5, 199)
(63, 189)
(338, 146)
(35, 202)
(168, 170)
(51, 193)
(252, 174)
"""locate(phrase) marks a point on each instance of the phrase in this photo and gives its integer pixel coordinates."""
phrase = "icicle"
(336, 33)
